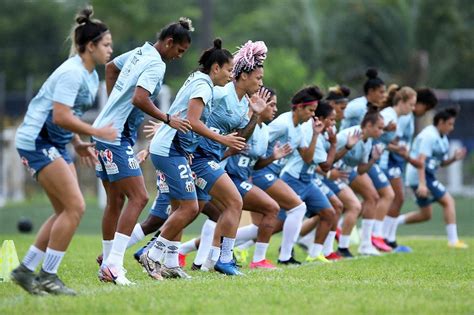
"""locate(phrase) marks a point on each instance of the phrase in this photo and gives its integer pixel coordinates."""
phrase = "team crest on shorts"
(161, 183)
(201, 183)
(190, 186)
(133, 163)
(52, 153)
(108, 158)
(214, 165)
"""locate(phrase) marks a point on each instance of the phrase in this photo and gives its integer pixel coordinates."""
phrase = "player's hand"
(86, 152)
(338, 174)
(142, 155)
(422, 191)
(353, 138)
(151, 128)
(376, 152)
(318, 126)
(392, 126)
(180, 124)
(258, 101)
(232, 140)
(460, 154)
(332, 136)
(107, 132)
(280, 151)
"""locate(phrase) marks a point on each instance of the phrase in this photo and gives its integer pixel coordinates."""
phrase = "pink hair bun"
(249, 56)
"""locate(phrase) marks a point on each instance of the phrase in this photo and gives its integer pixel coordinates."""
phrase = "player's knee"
(328, 215)
(389, 194)
(427, 215)
(338, 206)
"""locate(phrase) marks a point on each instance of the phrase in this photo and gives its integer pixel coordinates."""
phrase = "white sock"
(260, 251)
(189, 246)
(452, 231)
(392, 232)
(344, 241)
(291, 230)
(329, 243)
(246, 245)
(106, 248)
(367, 227)
(315, 250)
(137, 235)
(308, 239)
(117, 252)
(157, 252)
(226, 249)
(246, 233)
(171, 255)
(387, 226)
(401, 219)
(214, 253)
(207, 235)
(52, 259)
(378, 227)
(33, 257)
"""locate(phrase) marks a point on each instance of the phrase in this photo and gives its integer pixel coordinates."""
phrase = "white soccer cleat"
(122, 279)
(208, 265)
(368, 250)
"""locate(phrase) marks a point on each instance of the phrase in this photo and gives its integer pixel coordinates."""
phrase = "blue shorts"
(378, 177)
(207, 172)
(335, 185)
(394, 169)
(352, 175)
(116, 162)
(242, 185)
(313, 197)
(174, 177)
(161, 207)
(435, 188)
(324, 189)
(44, 154)
(264, 178)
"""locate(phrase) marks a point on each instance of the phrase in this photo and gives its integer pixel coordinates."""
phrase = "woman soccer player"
(171, 153)
(134, 80)
(431, 148)
(51, 122)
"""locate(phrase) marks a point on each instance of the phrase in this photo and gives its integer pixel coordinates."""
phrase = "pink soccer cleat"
(380, 244)
(262, 264)
(182, 260)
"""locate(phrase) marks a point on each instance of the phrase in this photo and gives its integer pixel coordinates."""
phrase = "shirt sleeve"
(320, 154)
(367, 150)
(67, 87)
(306, 134)
(119, 61)
(426, 146)
(245, 120)
(341, 140)
(388, 116)
(276, 129)
(151, 77)
(201, 90)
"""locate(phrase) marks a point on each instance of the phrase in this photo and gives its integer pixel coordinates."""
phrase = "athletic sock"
(156, 253)
(344, 241)
(171, 256)
(246, 245)
(226, 249)
(187, 247)
(315, 250)
(260, 251)
(308, 239)
(52, 260)
(378, 227)
(291, 230)
(329, 243)
(367, 227)
(388, 223)
(33, 258)
(117, 252)
(452, 231)
(246, 233)
(401, 219)
(207, 235)
(137, 235)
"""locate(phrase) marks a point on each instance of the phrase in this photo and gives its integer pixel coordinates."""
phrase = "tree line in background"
(323, 42)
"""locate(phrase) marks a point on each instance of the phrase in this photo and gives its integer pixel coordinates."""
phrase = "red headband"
(305, 104)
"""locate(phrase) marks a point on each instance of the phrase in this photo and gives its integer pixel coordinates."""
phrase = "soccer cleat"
(175, 272)
(229, 269)
(208, 265)
(393, 244)
(291, 261)
(195, 267)
(182, 260)
(459, 245)
(333, 256)
(241, 255)
(99, 259)
(368, 250)
(402, 249)
(262, 264)
(50, 282)
(26, 279)
(344, 253)
(153, 268)
(379, 243)
(319, 258)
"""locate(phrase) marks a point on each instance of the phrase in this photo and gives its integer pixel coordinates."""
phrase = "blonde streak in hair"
(406, 93)
(73, 49)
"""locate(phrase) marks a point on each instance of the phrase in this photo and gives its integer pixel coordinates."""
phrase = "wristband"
(348, 148)
(167, 121)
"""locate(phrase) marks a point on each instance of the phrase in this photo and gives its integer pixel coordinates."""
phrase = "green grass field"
(432, 280)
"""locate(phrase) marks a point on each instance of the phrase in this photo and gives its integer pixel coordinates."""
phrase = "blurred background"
(324, 42)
